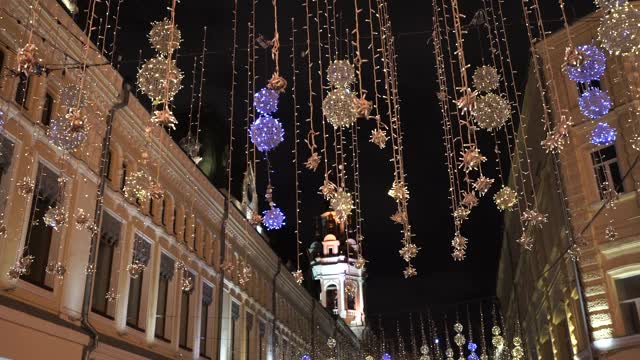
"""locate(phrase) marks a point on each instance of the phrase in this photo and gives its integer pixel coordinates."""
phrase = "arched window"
(332, 298)
(163, 210)
(123, 176)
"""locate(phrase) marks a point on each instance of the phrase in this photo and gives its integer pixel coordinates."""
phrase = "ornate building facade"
(205, 285)
(588, 308)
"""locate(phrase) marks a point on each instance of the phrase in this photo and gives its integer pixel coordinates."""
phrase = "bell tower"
(334, 264)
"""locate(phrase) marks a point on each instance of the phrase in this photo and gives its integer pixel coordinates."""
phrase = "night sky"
(440, 280)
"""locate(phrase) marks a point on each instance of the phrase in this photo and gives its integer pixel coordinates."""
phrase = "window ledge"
(620, 343)
(619, 247)
(623, 197)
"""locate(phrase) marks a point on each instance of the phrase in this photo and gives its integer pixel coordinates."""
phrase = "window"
(22, 91)
(141, 254)
(332, 298)
(107, 165)
(123, 178)
(175, 220)
(605, 165)
(235, 315)
(47, 110)
(104, 276)
(166, 274)
(249, 322)
(351, 301)
(184, 315)
(1, 61)
(629, 297)
(40, 237)
(6, 157)
(207, 299)
(163, 211)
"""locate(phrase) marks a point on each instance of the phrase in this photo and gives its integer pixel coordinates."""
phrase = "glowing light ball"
(506, 198)
(491, 111)
(591, 68)
(266, 132)
(305, 357)
(266, 101)
(486, 78)
(273, 218)
(161, 38)
(341, 74)
(619, 30)
(155, 73)
(62, 134)
(595, 103)
(386, 356)
(603, 134)
(339, 107)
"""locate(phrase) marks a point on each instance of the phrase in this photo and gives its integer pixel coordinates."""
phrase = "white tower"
(341, 282)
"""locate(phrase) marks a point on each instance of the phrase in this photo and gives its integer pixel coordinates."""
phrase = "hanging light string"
(167, 81)
(311, 135)
(232, 100)
(324, 125)
(483, 342)
(106, 28)
(250, 156)
(374, 67)
(295, 143)
(116, 27)
(275, 46)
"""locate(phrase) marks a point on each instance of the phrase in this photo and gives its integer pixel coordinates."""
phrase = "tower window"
(605, 165)
(332, 298)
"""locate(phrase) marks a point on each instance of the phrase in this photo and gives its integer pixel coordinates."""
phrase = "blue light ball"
(593, 66)
(305, 357)
(603, 134)
(472, 346)
(273, 218)
(266, 133)
(473, 356)
(266, 101)
(595, 103)
(386, 356)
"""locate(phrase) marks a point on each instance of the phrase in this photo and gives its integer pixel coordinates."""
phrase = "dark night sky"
(440, 280)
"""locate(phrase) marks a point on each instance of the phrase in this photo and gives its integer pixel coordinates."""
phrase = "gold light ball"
(137, 187)
(155, 73)
(486, 78)
(342, 204)
(339, 108)
(506, 198)
(491, 111)
(71, 96)
(619, 30)
(161, 38)
(341, 74)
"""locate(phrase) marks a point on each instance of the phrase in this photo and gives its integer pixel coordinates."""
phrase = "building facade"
(589, 308)
(180, 300)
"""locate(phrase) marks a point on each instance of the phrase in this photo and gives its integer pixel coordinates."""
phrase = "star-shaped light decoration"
(408, 252)
(467, 102)
(328, 189)
(458, 255)
(482, 185)
(471, 159)
(461, 214)
(399, 191)
(469, 199)
(610, 233)
(363, 107)
(277, 83)
(379, 137)
(255, 219)
(400, 217)
(360, 262)
(525, 240)
(533, 218)
(459, 242)
(164, 118)
(298, 276)
(313, 161)
(410, 272)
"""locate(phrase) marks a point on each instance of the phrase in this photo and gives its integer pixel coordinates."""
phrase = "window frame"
(598, 163)
(113, 264)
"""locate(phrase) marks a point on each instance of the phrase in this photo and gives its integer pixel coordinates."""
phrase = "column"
(225, 318)
(197, 293)
(123, 277)
(153, 273)
(342, 308)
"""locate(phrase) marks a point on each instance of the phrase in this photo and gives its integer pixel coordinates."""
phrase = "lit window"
(629, 298)
(41, 239)
(185, 305)
(607, 170)
(141, 254)
(105, 277)
(166, 275)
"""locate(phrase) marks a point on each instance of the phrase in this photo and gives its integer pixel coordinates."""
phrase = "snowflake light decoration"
(266, 101)
(26, 58)
(161, 37)
(111, 295)
(399, 217)
(328, 189)
(467, 102)
(459, 242)
(55, 217)
(342, 204)
(610, 233)
(619, 30)
(339, 107)
(298, 276)
(506, 198)
(266, 133)
(164, 118)
(486, 78)
(461, 214)
(341, 74)
(469, 199)
(603, 135)
(491, 111)
(408, 252)
(592, 66)
(525, 240)
(313, 161)
(363, 107)
(595, 103)
(56, 269)
(21, 267)
(408, 272)
(273, 218)
(154, 74)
